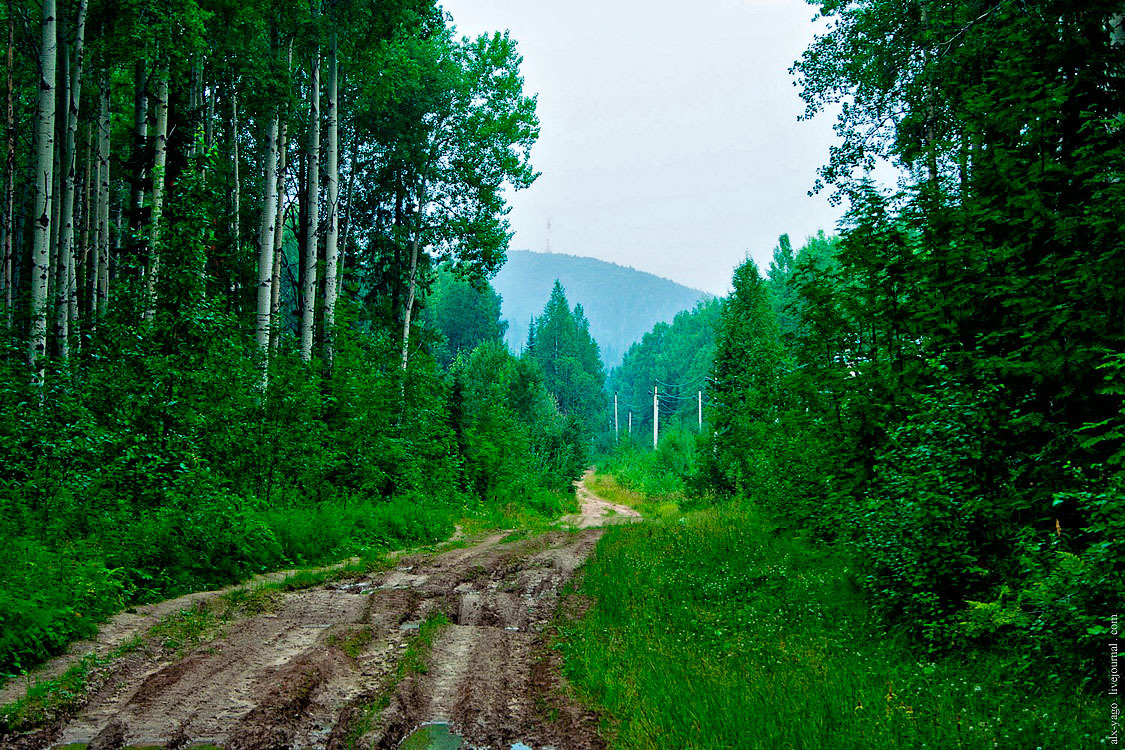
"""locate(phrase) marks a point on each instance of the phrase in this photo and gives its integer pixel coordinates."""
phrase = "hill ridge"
(622, 303)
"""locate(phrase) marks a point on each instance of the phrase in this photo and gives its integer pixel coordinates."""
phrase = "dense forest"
(247, 324)
(224, 225)
(940, 385)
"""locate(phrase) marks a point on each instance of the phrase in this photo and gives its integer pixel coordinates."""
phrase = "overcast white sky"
(670, 139)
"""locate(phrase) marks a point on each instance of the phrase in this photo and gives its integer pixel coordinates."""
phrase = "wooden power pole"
(655, 416)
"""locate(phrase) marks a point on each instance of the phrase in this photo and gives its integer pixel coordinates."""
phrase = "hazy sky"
(670, 139)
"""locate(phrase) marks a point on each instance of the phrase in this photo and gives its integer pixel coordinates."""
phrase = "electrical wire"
(683, 386)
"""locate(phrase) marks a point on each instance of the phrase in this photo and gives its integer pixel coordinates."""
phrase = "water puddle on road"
(440, 736)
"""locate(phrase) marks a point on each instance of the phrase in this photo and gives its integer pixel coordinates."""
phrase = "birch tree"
(64, 287)
(474, 142)
(332, 230)
(266, 239)
(44, 180)
(312, 225)
(159, 181)
(99, 288)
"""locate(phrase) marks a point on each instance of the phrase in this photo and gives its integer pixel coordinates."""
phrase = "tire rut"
(300, 676)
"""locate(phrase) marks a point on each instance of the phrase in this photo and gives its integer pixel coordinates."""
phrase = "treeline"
(941, 384)
(220, 224)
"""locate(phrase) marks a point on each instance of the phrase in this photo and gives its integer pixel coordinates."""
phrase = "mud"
(595, 511)
(305, 674)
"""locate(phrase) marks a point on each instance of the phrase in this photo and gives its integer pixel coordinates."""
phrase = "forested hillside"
(220, 223)
(621, 303)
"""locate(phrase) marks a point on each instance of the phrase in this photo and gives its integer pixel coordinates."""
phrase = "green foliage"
(462, 315)
(559, 342)
(514, 441)
(676, 357)
(747, 371)
(664, 474)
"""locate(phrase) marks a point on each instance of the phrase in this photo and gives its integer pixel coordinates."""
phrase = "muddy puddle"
(440, 736)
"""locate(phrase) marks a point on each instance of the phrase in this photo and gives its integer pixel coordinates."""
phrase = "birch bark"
(44, 179)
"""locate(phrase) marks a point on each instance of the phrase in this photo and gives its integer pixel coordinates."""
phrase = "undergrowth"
(719, 630)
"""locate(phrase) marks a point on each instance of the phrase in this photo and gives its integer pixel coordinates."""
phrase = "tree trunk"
(195, 105)
(412, 287)
(348, 219)
(333, 229)
(308, 281)
(62, 103)
(44, 179)
(9, 188)
(100, 265)
(139, 158)
(409, 308)
(85, 240)
(236, 191)
(266, 244)
(159, 164)
(65, 286)
(278, 239)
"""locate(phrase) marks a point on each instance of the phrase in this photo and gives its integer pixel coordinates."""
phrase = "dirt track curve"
(304, 674)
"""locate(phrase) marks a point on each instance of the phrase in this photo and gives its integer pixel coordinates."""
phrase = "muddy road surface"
(320, 668)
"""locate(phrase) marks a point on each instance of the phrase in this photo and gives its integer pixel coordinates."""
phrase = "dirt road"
(320, 669)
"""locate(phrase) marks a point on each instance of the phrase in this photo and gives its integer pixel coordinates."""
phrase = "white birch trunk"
(308, 290)
(332, 232)
(159, 164)
(140, 135)
(266, 245)
(64, 287)
(278, 240)
(44, 180)
(409, 309)
(100, 266)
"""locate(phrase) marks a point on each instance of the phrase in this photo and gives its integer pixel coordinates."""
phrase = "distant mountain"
(622, 304)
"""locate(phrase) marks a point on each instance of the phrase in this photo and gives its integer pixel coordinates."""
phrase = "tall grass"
(717, 630)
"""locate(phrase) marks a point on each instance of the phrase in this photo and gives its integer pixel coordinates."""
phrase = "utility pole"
(700, 394)
(655, 416)
(616, 429)
(630, 424)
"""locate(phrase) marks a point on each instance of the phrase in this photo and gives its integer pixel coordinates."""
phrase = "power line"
(683, 386)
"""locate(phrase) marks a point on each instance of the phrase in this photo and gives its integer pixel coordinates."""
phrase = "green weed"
(47, 700)
(610, 488)
(717, 629)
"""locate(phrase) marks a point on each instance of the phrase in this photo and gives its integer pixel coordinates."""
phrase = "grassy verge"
(717, 630)
(608, 487)
(49, 699)
(51, 597)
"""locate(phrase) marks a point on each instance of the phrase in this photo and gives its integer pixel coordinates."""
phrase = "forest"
(937, 387)
(232, 235)
(248, 325)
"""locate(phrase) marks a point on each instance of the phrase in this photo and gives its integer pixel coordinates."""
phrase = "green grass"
(607, 486)
(718, 630)
(47, 699)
